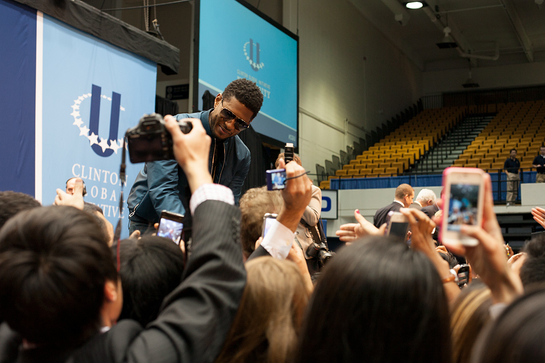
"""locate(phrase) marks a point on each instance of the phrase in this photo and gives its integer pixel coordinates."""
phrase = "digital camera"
(150, 140)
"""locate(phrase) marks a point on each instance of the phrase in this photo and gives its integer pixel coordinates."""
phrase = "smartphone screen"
(463, 206)
(398, 230)
(170, 229)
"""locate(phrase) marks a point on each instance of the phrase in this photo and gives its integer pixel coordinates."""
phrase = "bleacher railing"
(498, 177)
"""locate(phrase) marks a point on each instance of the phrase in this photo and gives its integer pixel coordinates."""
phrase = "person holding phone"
(163, 185)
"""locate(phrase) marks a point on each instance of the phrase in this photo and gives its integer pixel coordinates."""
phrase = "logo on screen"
(101, 147)
(252, 53)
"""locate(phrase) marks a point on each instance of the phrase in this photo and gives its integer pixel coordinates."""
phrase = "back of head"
(425, 196)
(270, 314)
(53, 267)
(151, 267)
(533, 269)
(12, 203)
(402, 190)
(377, 301)
(281, 156)
(253, 206)
(247, 93)
(517, 334)
(470, 313)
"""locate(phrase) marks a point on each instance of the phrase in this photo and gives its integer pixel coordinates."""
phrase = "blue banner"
(17, 96)
(92, 92)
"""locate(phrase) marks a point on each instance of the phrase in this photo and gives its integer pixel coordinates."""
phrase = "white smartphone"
(398, 225)
(267, 219)
(463, 196)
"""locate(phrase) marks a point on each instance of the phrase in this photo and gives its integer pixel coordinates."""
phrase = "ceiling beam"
(519, 29)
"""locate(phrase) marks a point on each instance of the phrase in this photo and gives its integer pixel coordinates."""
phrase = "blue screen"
(234, 42)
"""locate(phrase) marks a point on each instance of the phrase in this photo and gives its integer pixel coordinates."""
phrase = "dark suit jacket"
(381, 216)
(194, 319)
(430, 210)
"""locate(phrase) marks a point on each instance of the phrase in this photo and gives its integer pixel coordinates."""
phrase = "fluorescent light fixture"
(413, 5)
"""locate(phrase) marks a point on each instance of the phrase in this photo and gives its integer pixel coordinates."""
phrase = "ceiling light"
(413, 5)
(470, 83)
(447, 41)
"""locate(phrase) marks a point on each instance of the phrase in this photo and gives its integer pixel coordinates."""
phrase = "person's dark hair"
(247, 93)
(151, 267)
(533, 269)
(470, 313)
(53, 268)
(93, 209)
(253, 206)
(12, 203)
(377, 301)
(512, 150)
(517, 334)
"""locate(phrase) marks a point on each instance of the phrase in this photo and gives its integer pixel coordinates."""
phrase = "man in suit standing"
(404, 196)
(71, 256)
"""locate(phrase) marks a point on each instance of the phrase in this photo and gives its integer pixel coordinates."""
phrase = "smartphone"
(171, 226)
(267, 219)
(398, 225)
(276, 179)
(463, 275)
(463, 195)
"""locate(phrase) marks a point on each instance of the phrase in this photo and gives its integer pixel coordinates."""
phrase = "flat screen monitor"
(236, 41)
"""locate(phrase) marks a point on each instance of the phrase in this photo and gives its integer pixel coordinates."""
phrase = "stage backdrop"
(86, 94)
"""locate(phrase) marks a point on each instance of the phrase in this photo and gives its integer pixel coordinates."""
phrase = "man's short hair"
(253, 206)
(53, 268)
(402, 190)
(426, 195)
(510, 151)
(12, 203)
(247, 93)
(533, 269)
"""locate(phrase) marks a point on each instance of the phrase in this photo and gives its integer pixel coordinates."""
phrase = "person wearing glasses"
(162, 185)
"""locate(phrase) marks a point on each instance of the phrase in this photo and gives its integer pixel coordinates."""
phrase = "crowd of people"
(69, 292)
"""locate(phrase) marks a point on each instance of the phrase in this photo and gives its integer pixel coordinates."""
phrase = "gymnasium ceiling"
(498, 32)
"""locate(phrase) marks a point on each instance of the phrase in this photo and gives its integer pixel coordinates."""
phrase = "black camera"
(150, 140)
(320, 252)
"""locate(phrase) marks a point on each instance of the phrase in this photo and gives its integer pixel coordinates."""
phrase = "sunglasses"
(227, 115)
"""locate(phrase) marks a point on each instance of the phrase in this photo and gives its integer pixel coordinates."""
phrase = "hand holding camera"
(296, 195)
(149, 140)
(191, 150)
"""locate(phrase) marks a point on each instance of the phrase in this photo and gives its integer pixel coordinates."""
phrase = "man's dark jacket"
(162, 185)
(194, 319)
(381, 216)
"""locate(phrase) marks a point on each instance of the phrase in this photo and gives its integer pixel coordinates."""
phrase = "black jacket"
(195, 318)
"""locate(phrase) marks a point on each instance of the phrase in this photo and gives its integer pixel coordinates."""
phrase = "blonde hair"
(253, 206)
(469, 315)
(270, 314)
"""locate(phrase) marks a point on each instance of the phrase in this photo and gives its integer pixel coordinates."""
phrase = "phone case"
(446, 174)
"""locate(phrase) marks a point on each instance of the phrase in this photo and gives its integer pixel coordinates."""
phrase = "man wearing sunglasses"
(162, 185)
